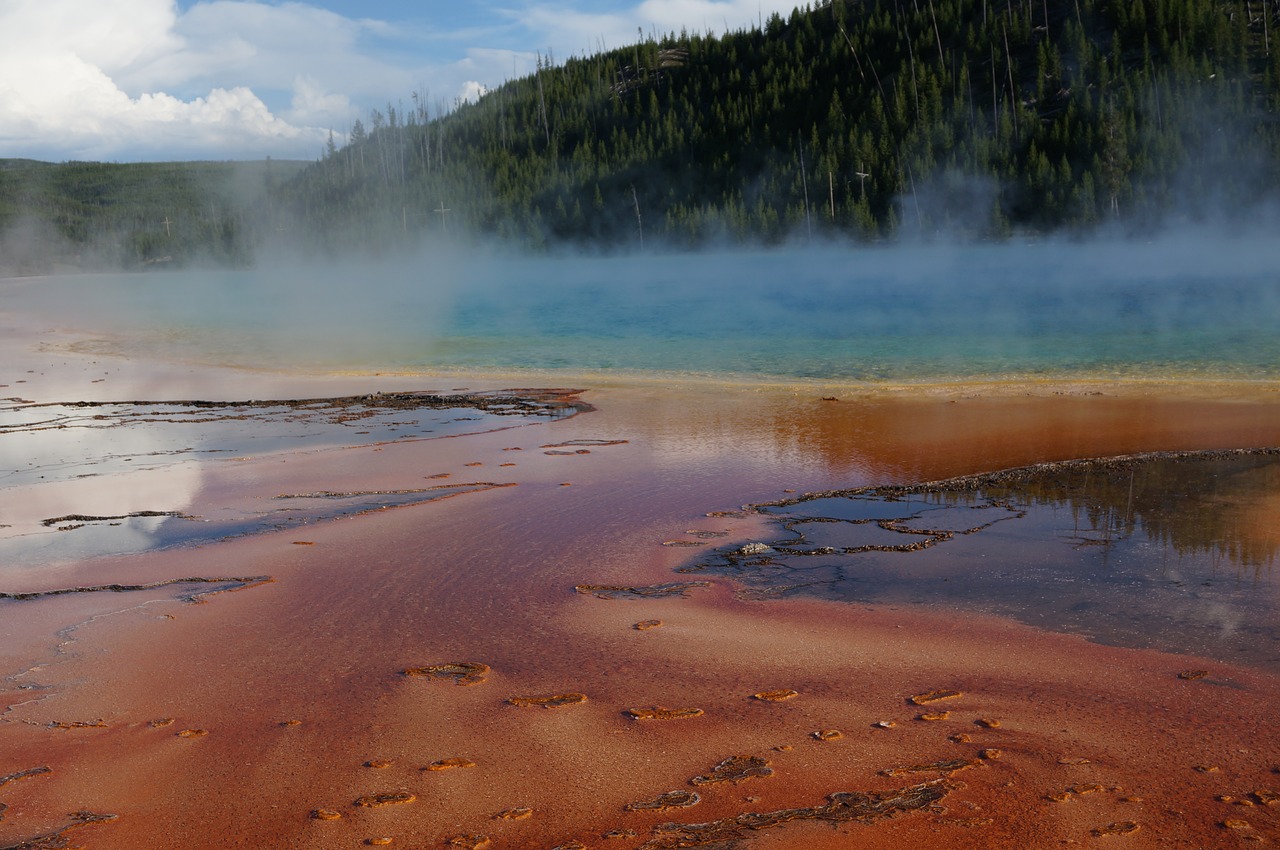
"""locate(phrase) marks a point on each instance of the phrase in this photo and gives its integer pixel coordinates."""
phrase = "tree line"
(120, 215)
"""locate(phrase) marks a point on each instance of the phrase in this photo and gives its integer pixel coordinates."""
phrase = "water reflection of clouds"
(101, 463)
(53, 464)
(29, 542)
(67, 450)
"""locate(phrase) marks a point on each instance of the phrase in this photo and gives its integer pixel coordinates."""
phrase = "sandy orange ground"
(489, 577)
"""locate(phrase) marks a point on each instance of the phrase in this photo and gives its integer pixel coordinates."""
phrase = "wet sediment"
(339, 410)
(565, 777)
(223, 585)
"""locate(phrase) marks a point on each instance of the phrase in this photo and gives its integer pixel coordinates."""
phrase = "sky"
(158, 80)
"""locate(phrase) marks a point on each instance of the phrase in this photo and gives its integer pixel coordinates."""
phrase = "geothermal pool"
(952, 547)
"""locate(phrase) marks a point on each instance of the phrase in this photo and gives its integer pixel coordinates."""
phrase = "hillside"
(859, 119)
(849, 120)
(104, 215)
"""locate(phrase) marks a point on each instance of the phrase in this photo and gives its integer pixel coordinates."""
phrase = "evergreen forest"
(861, 120)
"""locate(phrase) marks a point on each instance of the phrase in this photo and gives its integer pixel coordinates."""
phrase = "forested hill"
(95, 215)
(861, 120)
(971, 117)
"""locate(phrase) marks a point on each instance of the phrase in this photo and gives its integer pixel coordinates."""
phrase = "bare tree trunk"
(914, 87)
(942, 62)
(542, 103)
(1013, 89)
(804, 181)
(635, 199)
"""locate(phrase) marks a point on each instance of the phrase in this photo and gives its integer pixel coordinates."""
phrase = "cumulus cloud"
(472, 91)
(314, 104)
(106, 79)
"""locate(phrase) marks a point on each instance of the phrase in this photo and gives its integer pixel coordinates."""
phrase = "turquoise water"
(1182, 308)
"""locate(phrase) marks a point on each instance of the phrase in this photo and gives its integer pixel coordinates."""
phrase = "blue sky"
(129, 80)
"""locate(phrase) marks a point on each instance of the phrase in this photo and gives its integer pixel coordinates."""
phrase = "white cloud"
(110, 35)
(573, 32)
(264, 46)
(473, 91)
(671, 15)
(95, 79)
(140, 79)
(312, 104)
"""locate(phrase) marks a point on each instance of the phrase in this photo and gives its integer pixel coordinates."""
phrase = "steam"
(1190, 303)
(32, 246)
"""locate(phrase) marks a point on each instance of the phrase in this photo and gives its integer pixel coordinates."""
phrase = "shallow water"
(139, 464)
(1173, 308)
(63, 441)
(933, 314)
(1177, 553)
(299, 682)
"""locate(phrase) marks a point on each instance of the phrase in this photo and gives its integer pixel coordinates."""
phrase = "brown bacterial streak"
(652, 591)
(660, 713)
(669, 800)
(499, 402)
(239, 582)
(460, 672)
(57, 839)
(735, 769)
(553, 701)
(84, 518)
(584, 442)
(24, 774)
(776, 696)
(948, 766)
(841, 807)
(355, 494)
(374, 801)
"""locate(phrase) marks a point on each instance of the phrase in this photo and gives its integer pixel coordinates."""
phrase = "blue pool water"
(1179, 308)
(1103, 564)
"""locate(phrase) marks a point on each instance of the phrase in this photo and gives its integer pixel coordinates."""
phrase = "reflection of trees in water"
(1195, 505)
(1172, 551)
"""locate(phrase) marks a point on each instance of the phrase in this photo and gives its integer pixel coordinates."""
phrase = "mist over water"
(1179, 306)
